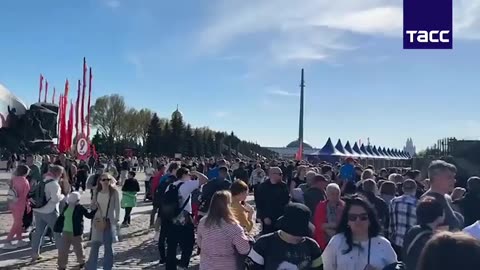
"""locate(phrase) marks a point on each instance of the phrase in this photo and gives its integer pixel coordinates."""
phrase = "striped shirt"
(220, 245)
(403, 216)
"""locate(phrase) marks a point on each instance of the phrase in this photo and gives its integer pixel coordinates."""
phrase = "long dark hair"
(373, 228)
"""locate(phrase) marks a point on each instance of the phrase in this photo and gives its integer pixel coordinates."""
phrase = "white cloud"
(279, 92)
(315, 30)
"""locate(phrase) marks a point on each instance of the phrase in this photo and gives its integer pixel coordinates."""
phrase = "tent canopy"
(327, 150)
(340, 148)
(363, 150)
(348, 149)
(358, 152)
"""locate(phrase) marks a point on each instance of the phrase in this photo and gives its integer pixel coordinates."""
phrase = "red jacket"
(155, 182)
(320, 218)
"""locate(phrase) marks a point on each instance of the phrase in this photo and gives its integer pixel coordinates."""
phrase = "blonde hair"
(220, 209)
(111, 182)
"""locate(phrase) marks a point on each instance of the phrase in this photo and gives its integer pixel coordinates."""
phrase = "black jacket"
(469, 207)
(381, 208)
(78, 213)
(131, 184)
(241, 174)
(413, 244)
(209, 189)
(271, 199)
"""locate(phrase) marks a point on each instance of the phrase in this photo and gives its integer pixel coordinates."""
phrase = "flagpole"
(46, 91)
(84, 86)
(40, 88)
(88, 103)
(77, 109)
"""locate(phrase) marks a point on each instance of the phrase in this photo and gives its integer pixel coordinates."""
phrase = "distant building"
(291, 149)
(410, 147)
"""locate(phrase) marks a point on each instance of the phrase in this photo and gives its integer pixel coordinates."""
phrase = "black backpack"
(160, 191)
(170, 207)
(208, 191)
(37, 196)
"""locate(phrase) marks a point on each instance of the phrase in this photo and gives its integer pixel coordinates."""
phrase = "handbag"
(101, 223)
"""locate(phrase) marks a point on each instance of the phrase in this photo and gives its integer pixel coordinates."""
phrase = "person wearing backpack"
(177, 208)
(17, 203)
(430, 215)
(164, 223)
(45, 198)
(210, 188)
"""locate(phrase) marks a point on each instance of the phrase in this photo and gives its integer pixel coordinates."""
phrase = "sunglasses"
(105, 179)
(355, 217)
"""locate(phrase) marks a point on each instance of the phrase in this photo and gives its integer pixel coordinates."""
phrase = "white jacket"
(53, 192)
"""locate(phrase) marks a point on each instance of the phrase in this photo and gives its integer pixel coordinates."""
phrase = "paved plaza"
(135, 250)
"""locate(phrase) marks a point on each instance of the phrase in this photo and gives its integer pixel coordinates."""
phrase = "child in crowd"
(129, 196)
(70, 225)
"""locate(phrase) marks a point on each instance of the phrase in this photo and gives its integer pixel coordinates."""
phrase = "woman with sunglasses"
(358, 244)
(106, 200)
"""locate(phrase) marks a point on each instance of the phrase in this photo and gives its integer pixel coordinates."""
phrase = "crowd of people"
(338, 216)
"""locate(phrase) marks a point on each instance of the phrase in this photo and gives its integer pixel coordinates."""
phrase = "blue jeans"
(107, 255)
(41, 223)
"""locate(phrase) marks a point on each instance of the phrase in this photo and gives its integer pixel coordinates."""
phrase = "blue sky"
(235, 64)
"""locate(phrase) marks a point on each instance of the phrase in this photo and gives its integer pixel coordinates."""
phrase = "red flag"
(53, 97)
(46, 91)
(82, 109)
(63, 132)
(299, 154)
(88, 103)
(40, 88)
(70, 126)
(77, 109)
(60, 120)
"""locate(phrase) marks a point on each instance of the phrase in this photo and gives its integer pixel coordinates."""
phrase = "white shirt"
(381, 254)
(54, 195)
(102, 200)
(473, 230)
(184, 192)
(149, 173)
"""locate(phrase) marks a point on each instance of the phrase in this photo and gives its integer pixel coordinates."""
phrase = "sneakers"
(9, 246)
(156, 236)
(21, 244)
(36, 258)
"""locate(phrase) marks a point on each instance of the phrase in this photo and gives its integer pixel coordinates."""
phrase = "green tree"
(177, 135)
(107, 115)
(153, 138)
(144, 116)
(189, 148)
